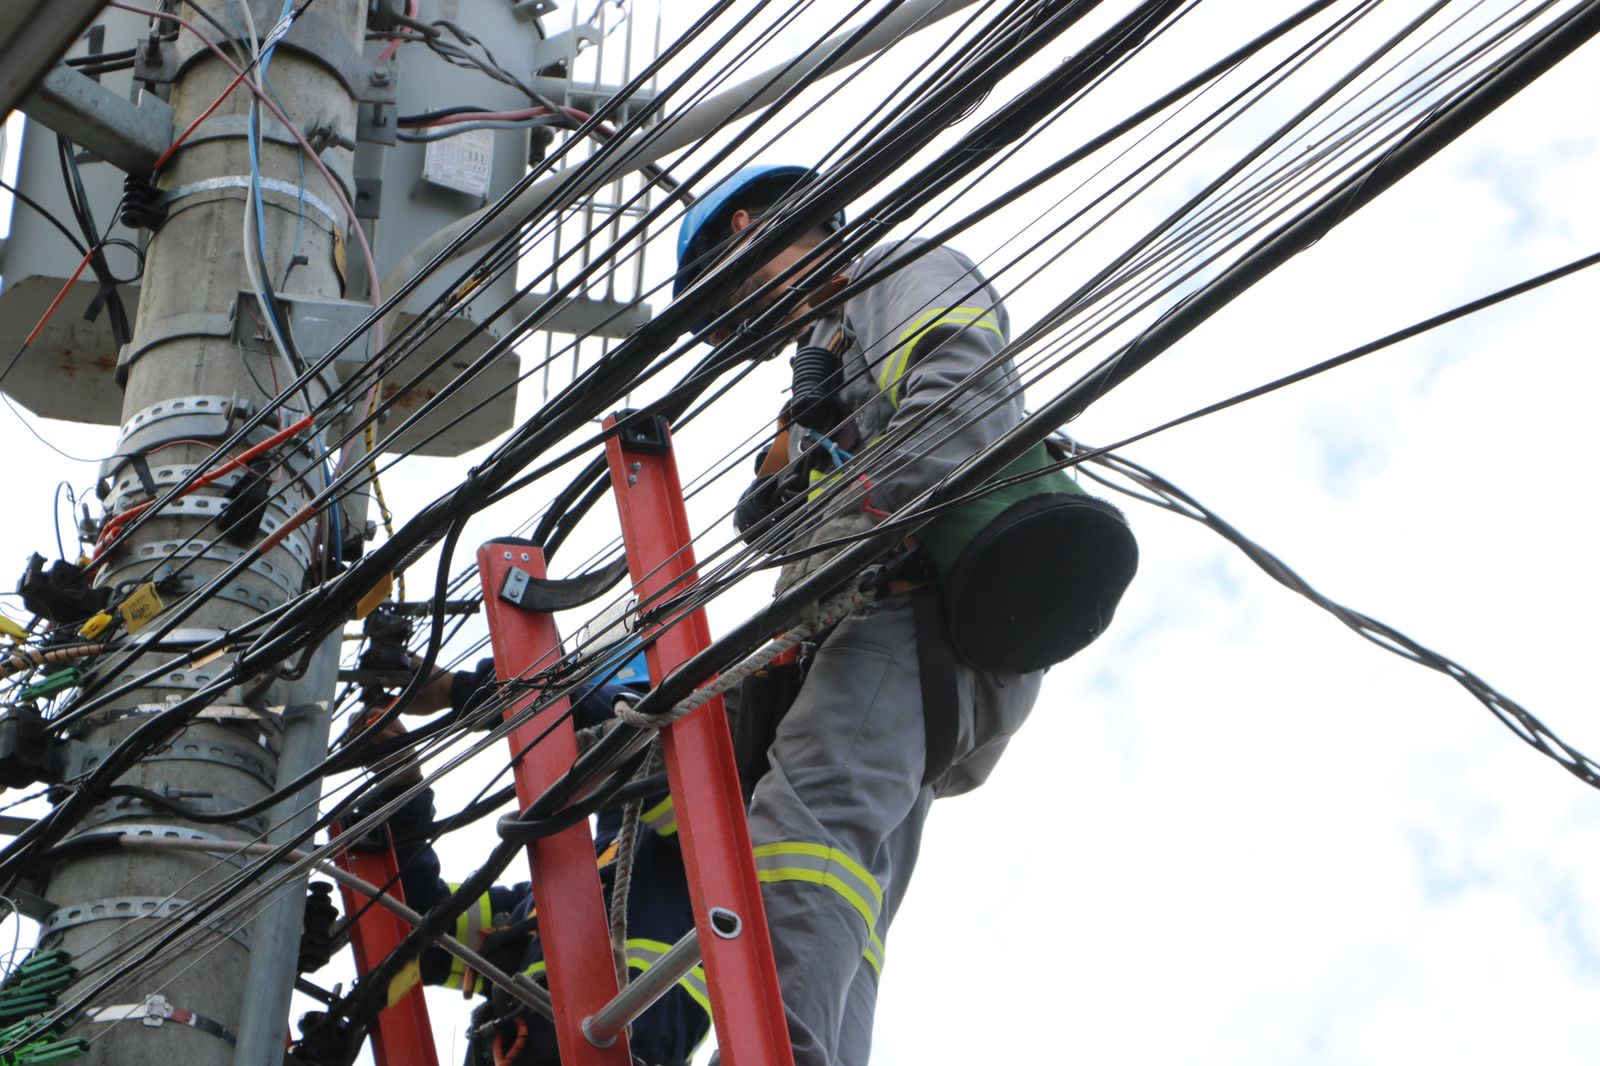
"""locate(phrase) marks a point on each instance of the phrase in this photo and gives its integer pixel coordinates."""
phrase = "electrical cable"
(95, 59)
(1537, 54)
(44, 213)
(1511, 714)
(322, 362)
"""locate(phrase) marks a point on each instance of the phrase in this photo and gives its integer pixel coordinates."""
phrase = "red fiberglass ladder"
(730, 935)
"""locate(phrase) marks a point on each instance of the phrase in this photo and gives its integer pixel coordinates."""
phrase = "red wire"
(394, 45)
(165, 156)
(201, 117)
(62, 295)
(102, 544)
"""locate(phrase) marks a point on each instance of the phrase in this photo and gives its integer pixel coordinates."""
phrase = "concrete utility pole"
(199, 363)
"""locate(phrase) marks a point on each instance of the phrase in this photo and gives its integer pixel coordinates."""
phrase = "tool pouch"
(760, 703)
(1029, 573)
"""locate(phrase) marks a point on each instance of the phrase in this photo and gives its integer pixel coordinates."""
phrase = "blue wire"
(252, 142)
(335, 518)
(839, 455)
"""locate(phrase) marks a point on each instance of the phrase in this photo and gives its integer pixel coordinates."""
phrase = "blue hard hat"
(705, 224)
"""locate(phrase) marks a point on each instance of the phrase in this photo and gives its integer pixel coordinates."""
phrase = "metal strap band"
(156, 1012)
(242, 181)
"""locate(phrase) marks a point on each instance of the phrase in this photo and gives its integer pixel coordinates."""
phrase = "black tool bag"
(757, 706)
(1029, 573)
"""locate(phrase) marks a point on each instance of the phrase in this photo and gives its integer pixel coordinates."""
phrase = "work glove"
(757, 506)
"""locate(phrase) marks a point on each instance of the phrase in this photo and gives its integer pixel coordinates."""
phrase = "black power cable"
(78, 203)
(650, 339)
(44, 212)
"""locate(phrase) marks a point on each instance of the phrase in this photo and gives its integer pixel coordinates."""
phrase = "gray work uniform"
(837, 820)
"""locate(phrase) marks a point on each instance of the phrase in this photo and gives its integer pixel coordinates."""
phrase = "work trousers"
(837, 820)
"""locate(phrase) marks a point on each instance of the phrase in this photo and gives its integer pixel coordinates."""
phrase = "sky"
(1233, 831)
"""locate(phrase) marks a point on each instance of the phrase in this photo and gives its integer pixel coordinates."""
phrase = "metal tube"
(603, 1025)
(705, 119)
(523, 990)
(33, 37)
(269, 976)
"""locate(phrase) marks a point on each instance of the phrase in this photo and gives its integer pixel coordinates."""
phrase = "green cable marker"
(40, 1054)
(51, 685)
(43, 960)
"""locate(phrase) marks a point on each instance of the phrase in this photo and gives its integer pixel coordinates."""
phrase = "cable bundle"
(1244, 161)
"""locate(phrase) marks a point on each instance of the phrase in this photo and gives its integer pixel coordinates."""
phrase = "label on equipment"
(462, 162)
(140, 607)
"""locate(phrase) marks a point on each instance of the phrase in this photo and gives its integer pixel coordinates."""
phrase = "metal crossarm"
(566, 883)
(741, 976)
(403, 1035)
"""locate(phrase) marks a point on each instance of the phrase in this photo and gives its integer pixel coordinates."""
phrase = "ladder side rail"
(719, 864)
(403, 1035)
(573, 926)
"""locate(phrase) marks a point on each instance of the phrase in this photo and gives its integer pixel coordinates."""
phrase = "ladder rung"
(603, 1025)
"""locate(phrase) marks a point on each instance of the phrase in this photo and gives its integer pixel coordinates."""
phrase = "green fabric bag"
(1030, 573)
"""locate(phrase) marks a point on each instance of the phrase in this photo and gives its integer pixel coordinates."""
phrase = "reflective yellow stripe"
(776, 875)
(819, 480)
(899, 360)
(818, 865)
(643, 954)
(823, 854)
(663, 818)
(469, 930)
(472, 923)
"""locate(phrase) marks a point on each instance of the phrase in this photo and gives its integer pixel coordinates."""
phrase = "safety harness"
(1023, 576)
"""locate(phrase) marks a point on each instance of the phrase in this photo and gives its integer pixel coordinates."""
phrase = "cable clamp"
(157, 1011)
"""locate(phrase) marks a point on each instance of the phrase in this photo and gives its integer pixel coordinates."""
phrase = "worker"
(502, 926)
(857, 760)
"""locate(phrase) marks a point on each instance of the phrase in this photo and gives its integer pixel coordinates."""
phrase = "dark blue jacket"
(659, 911)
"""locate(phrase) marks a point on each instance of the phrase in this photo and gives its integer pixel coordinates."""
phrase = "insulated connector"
(56, 682)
